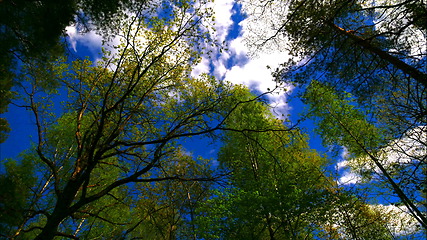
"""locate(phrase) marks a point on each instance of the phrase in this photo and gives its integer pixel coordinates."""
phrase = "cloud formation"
(233, 65)
(90, 40)
(347, 176)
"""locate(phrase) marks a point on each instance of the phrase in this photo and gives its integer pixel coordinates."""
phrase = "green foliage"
(30, 30)
(16, 187)
(110, 159)
(279, 191)
(339, 120)
(372, 156)
(34, 30)
(354, 219)
(372, 50)
(107, 162)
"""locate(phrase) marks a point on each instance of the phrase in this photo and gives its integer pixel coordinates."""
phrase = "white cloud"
(91, 40)
(236, 67)
(223, 12)
(238, 47)
(233, 65)
(409, 148)
(402, 151)
(251, 72)
(349, 177)
(263, 21)
(223, 22)
(342, 164)
(219, 67)
(401, 222)
(202, 67)
(256, 74)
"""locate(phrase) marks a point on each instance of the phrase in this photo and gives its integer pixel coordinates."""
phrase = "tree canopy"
(110, 157)
(361, 67)
(33, 29)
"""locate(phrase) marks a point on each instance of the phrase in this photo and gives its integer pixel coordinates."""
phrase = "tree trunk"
(396, 62)
(61, 211)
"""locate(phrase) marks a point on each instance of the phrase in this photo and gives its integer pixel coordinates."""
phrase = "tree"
(167, 208)
(373, 51)
(278, 188)
(29, 29)
(376, 52)
(36, 30)
(350, 31)
(354, 219)
(119, 126)
(342, 124)
(15, 190)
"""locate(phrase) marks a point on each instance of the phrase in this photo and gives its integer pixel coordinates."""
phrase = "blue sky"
(234, 66)
(238, 65)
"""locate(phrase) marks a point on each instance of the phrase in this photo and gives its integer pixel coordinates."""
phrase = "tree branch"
(396, 62)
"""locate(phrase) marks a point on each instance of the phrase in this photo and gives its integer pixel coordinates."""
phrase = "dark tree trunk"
(396, 62)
